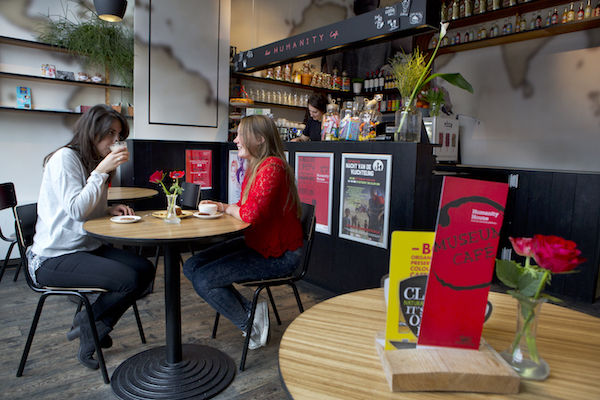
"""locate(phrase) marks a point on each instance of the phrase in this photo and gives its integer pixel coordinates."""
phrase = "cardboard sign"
(410, 256)
(466, 241)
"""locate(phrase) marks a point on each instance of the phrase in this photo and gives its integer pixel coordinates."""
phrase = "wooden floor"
(53, 372)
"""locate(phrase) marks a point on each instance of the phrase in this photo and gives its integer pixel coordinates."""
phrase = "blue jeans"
(214, 270)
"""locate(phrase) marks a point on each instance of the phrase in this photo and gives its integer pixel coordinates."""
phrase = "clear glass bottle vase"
(172, 217)
(408, 121)
(523, 354)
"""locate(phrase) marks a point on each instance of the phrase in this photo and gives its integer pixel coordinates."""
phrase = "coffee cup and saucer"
(207, 211)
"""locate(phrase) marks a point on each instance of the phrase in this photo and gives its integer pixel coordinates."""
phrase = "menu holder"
(447, 369)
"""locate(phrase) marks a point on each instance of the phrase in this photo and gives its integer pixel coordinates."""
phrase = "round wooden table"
(175, 370)
(328, 352)
(119, 193)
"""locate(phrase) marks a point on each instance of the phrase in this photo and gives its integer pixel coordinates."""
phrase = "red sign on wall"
(198, 167)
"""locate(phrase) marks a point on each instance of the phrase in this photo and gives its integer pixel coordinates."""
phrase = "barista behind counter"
(317, 105)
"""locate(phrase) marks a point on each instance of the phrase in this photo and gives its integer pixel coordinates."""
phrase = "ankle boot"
(106, 342)
(86, 342)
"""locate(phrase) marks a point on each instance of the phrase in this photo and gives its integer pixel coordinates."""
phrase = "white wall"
(538, 102)
(186, 76)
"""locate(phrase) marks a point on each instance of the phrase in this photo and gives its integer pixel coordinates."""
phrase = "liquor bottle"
(532, 24)
(381, 81)
(504, 27)
(571, 14)
(375, 84)
(564, 17)
(512, 3)
(588, 10)
(596, 12)
(476, 6)
(517, 23)
(467, 37)
(367, 83)
(509, 27)
(455, 10)
(554, 20)
(523, 24)
(444, 12)
(461, 6)
(482, 6)
(457, 38)
(496, 4)
(549, 18)
(468, 8)
(580, 12)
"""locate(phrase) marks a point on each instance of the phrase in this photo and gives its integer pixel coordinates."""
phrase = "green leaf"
(551, 298)
(509, 272)
(530, 281)
(455, 79)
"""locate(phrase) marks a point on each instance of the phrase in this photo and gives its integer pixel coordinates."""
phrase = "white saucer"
(126, 219)
(203, 216)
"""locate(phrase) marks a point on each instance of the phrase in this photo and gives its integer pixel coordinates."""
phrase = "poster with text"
(198, 167)
(314, 176)
(237, 170)
(365, 198)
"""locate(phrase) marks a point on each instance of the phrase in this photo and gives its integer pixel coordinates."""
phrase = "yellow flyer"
(410, 258)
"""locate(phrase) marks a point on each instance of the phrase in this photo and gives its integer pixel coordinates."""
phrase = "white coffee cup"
(207, 209)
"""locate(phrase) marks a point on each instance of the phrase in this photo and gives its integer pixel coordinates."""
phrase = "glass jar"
(369, 119)
(408, 123)
(331, 123)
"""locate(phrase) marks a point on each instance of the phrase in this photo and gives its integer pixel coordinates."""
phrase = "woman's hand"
(220, 206)
(121, 209)
(113, 160)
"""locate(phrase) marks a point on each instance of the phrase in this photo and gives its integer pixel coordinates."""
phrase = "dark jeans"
(124, 274)
(214, 270)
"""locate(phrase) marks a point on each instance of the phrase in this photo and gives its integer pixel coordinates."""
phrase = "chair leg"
(295, 289)
(92, 322)
(249, 328)
(36, 318)
(139, 322)
(8, 253)
(215, 326)
(273, 305)
(17, 271)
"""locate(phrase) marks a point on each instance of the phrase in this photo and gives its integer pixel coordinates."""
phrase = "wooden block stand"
(447, 369)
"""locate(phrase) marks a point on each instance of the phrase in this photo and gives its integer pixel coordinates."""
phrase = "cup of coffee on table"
(207, 209)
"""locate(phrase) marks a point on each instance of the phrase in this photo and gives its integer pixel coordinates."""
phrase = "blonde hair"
(262, 140)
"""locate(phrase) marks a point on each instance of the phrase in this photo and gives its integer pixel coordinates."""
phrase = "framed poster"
(237, 170)
(314, 177)
(365, 198)
(198, 167)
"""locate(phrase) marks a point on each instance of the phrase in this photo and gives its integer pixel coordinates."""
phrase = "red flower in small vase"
(176, 174)
(156, 177)
(522, 246)
(555, 253)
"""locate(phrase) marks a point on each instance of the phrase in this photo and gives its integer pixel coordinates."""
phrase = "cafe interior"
(385, 210)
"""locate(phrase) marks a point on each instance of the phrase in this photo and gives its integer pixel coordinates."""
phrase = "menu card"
(466, 241)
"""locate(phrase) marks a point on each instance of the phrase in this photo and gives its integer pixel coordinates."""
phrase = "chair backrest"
(25, 219)
(191, 195)
(8, 197)
(308, 221)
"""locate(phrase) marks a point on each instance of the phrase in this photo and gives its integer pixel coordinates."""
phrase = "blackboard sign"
(401, 19)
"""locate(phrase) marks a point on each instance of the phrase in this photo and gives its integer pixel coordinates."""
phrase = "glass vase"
(172, 217)
(408, 123)
(523, 354)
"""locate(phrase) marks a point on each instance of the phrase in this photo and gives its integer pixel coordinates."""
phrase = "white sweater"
(68, 198)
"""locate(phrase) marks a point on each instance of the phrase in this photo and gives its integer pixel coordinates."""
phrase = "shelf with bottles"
(551, 30)
(247, 77)
(543, 23)
(47, 111)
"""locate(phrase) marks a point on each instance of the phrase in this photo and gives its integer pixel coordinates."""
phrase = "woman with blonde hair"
(271, 245)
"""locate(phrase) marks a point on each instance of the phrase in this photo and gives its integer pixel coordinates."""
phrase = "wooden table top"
(328, 352)
(130, 193)
(152, 230)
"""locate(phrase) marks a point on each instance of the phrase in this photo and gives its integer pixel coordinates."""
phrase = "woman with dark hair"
(317, 106)
(74, 189)
(271, 246)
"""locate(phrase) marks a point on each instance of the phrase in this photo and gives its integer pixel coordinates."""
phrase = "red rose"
(522, 246)
(555, 253)
(156, 177)
(176, 174)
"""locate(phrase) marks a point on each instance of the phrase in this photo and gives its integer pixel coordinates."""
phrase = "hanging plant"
(102, 43)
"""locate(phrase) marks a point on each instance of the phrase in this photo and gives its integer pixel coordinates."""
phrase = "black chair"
(26, 217)
(8, 199)
(308, 221)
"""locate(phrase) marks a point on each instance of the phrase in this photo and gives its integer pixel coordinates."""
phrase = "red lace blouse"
(274, 227)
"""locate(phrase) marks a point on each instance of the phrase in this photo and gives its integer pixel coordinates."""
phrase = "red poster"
(466, 241)
(314, 176)
(198, 167)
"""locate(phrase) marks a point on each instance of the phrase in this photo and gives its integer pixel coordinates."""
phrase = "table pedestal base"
(203, 373)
